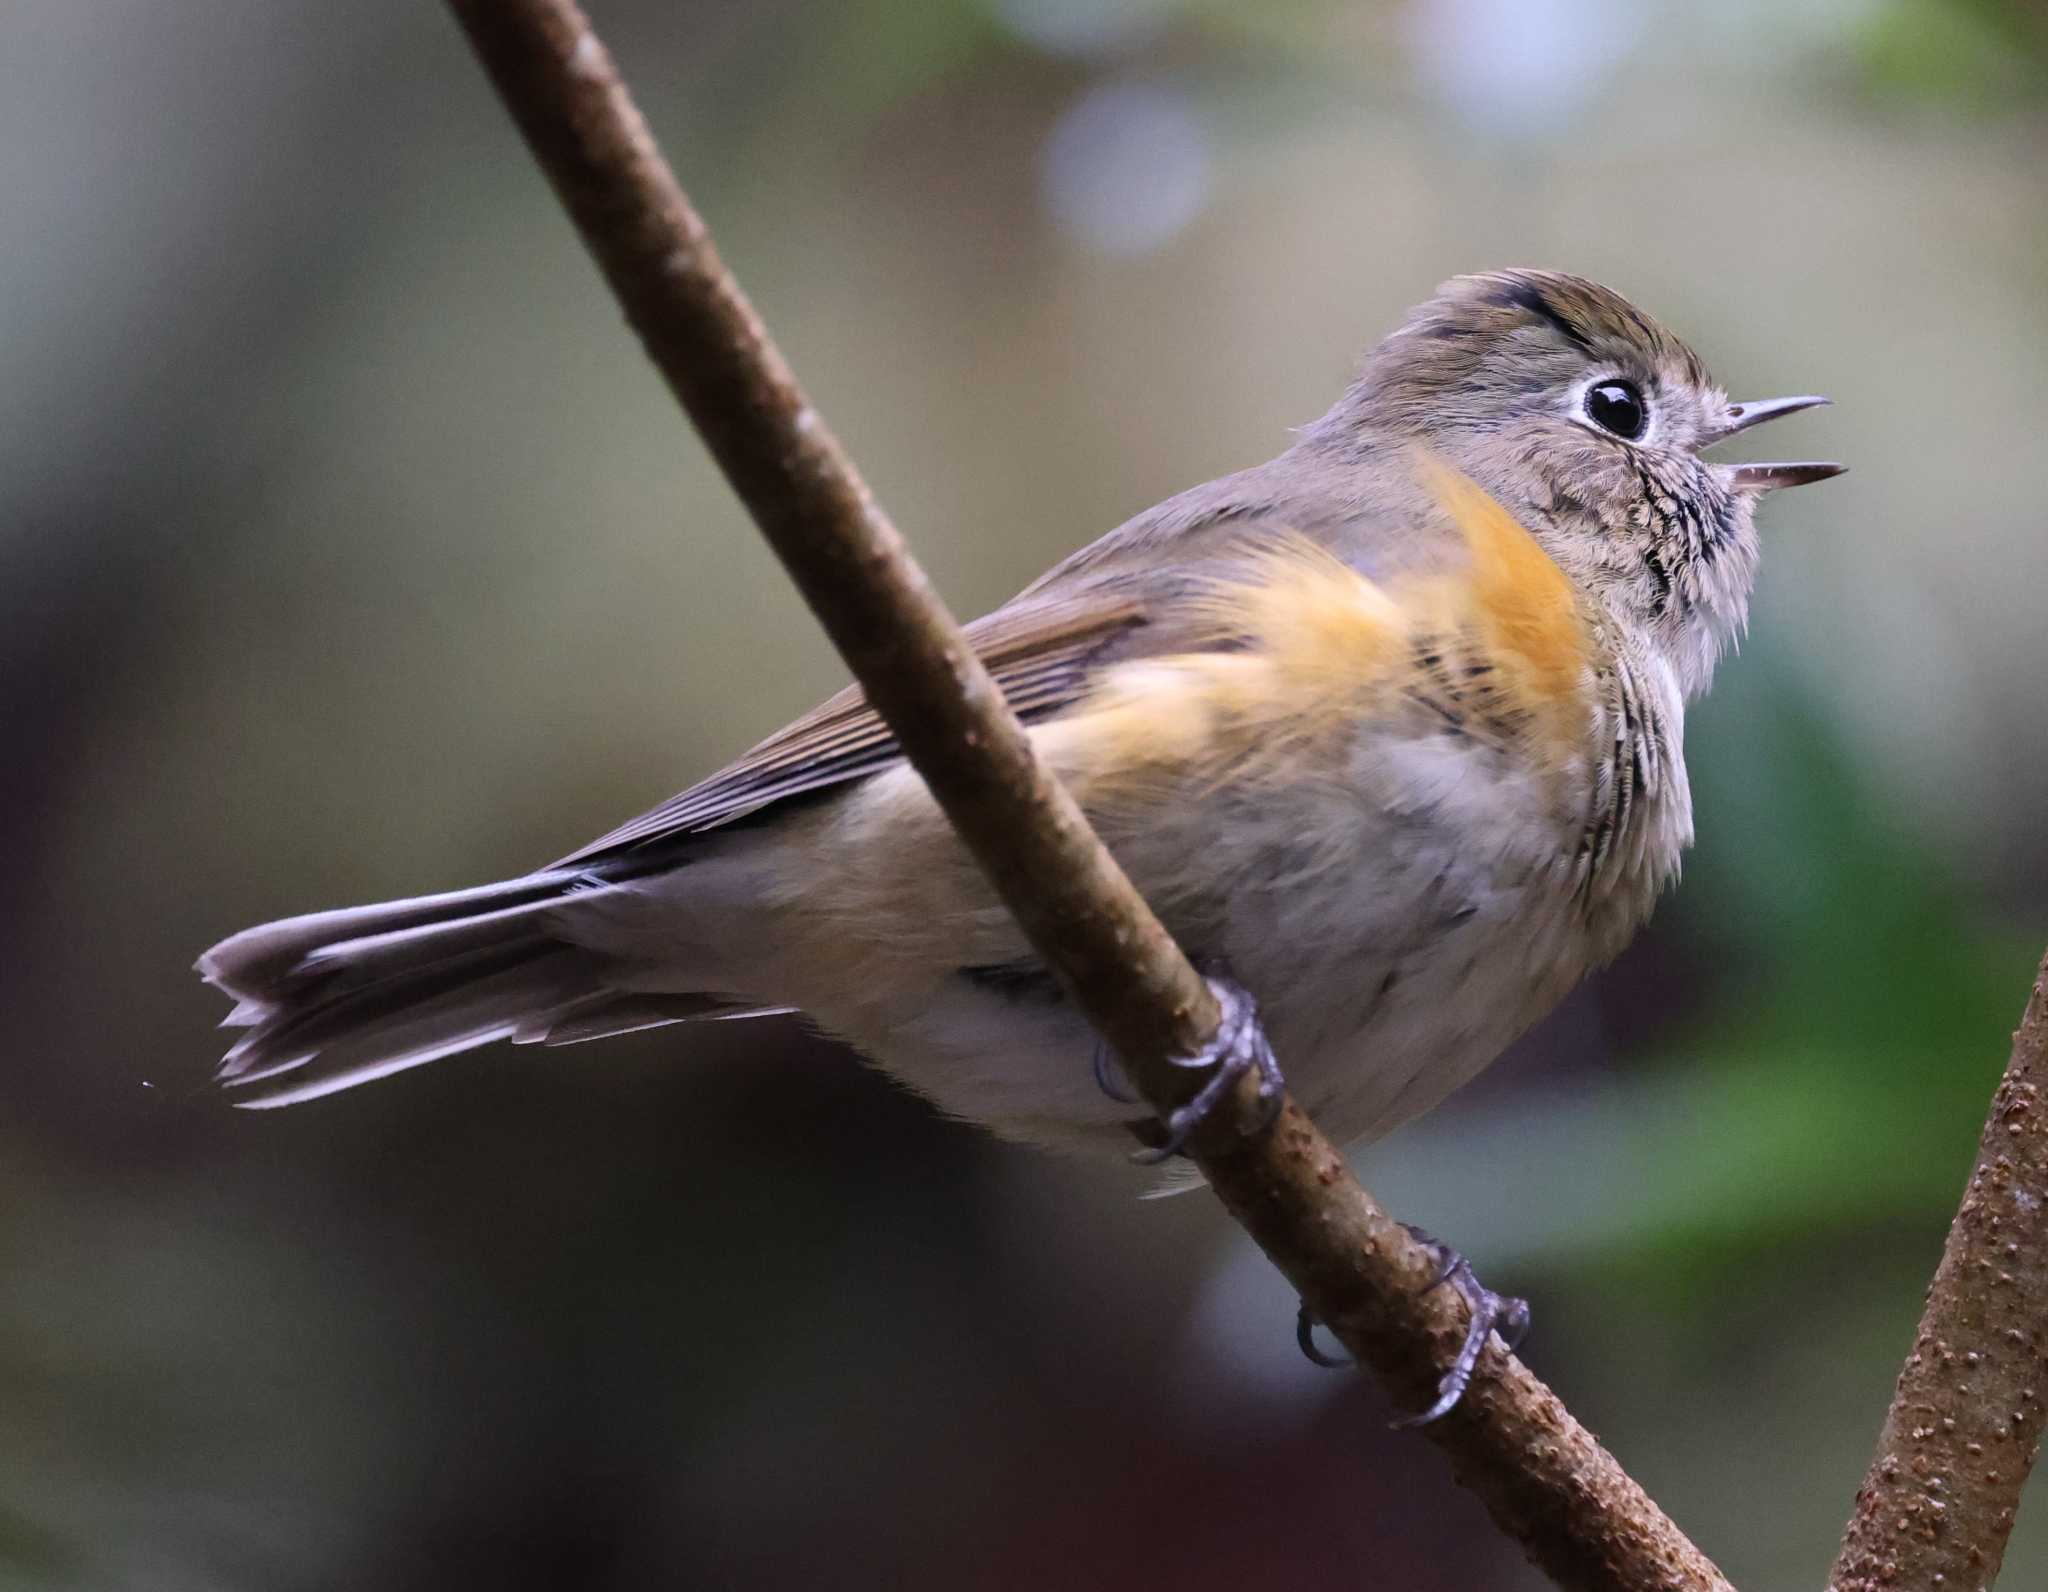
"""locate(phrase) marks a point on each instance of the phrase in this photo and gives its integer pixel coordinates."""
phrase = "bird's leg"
(1487, 1313)
(1239, 1046)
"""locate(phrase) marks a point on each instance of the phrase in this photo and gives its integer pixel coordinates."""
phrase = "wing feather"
(1040, 652)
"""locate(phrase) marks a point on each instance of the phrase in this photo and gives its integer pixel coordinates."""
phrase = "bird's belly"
(1376, 1019)
(1393, 957)
(1427, 1023)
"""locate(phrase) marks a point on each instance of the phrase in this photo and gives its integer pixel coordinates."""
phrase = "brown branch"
(1965, 1422)
(1545, 1479)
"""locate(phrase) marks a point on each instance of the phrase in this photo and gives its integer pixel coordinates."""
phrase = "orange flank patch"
(1528, 608)
(1299, 651)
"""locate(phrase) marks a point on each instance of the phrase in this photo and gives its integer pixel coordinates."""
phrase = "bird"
(1388, 730)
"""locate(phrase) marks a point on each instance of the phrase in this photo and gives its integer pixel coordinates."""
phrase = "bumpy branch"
(1965, 1422)
(1545, 1479)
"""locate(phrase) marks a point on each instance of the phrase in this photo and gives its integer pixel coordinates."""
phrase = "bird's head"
(1590, 422)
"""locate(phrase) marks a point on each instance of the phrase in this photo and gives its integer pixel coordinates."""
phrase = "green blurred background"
(348, 549)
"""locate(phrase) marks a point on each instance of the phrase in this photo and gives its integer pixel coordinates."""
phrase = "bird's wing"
(1128, 597)
(1040, 651)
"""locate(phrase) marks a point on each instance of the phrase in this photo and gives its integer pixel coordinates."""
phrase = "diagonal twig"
(1965, 1422)
(1545, 1479)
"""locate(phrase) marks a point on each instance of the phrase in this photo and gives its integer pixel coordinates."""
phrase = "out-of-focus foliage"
(1977, 54)
(351, 551)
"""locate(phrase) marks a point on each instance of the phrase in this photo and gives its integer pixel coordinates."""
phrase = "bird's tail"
(334, 999)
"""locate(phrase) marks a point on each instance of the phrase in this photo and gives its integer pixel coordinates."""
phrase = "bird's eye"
(1617, 406)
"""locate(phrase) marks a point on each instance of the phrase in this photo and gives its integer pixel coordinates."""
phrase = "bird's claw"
(1305, 1337)
(1239, 1046)
(1109, 1078)
(1488, 1313)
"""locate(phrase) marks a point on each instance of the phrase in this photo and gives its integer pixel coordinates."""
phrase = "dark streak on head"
(1521, 293)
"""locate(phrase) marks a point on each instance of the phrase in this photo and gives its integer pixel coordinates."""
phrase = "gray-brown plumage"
(1389, 726)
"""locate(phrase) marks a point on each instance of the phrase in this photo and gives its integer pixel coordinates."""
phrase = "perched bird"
(1387, 730)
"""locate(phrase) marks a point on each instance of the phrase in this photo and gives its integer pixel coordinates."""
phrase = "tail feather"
(612, 1012)
(253, 964)
(443, 993)
(476, 1011)
(370, 958)
(333, 999)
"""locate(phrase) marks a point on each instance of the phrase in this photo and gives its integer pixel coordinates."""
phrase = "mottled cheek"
(1698, 513)
(1730, 518)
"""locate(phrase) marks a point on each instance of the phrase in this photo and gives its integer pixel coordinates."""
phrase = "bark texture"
(1965, 1422)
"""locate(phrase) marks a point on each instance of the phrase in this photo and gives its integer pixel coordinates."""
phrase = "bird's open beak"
(1740, 417)
(1769, 477)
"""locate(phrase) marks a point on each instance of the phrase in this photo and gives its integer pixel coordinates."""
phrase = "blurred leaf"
(878, 51)
(1966, 51)
(31, 1554)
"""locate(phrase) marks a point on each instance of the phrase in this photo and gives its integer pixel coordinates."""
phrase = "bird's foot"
(1488, 1313)
(1239, 1046)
